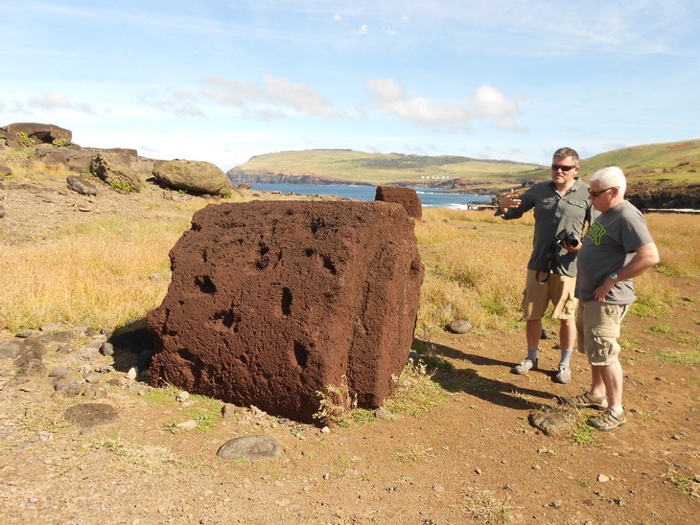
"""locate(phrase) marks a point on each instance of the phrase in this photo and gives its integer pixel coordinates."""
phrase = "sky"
(224, 80)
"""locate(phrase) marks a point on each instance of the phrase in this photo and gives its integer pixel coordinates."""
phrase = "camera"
(566, 237)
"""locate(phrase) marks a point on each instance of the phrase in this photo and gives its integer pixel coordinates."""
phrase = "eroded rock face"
(39, 133)
(272, 302)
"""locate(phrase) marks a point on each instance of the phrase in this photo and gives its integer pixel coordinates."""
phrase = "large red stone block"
(272, 302)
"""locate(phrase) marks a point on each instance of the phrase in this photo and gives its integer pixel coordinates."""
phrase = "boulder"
(406, 197)
(193, 176)
(80, 185)
(272, 302)
(37, 133)
(115, 170)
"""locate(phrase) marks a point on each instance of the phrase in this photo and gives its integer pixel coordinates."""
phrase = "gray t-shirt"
(609, 244)
(554, 213)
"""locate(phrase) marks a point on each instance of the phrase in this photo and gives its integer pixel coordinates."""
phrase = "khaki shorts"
(558, 289)
(598, 327)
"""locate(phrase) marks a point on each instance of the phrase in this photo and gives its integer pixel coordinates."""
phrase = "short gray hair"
(609, 177)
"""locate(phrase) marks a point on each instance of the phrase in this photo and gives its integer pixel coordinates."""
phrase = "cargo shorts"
(558, 289)
(597, 328)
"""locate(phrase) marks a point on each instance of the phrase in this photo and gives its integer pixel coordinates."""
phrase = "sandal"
(610, 420)
(586, 400)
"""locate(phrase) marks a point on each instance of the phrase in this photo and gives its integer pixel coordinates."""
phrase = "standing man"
(562, 210)
(616, 248)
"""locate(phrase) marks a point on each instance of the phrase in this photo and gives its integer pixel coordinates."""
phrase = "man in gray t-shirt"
(616, 248)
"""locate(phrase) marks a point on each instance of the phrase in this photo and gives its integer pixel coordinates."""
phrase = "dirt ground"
(472, 458)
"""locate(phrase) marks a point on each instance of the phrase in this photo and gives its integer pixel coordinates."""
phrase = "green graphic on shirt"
(596, 232)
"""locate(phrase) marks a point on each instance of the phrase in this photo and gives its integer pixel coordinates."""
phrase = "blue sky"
(222, 81)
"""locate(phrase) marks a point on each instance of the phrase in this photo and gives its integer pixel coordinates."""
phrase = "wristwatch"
(613, 276)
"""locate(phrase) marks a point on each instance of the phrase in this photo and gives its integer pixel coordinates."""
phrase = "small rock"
(59, 371)
(550, 423)
(92, 377)
(187, 425)
(603, 478)
(460, 326)
(11, 349)
(251, 447)
(381, 413)
(182, 396)
(91, 414)
(107, 349)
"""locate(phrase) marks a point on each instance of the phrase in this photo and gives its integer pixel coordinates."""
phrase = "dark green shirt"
(554, 213)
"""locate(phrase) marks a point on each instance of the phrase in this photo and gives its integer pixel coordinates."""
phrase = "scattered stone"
(251, 448)
(187, 425)
(91, 414)
(381, 413)
(603, 478)
(80, 185)
(26, 333)
(107, 349)
(229, 410)
(551, 423)
(182, 396)
(460, 326)
(59, 371)
(92, 377)
(11, 349)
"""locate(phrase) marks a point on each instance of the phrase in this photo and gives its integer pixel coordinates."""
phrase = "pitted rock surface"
(272, 302)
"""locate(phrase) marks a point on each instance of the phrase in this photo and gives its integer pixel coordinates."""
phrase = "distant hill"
(338, 166)
(659, 175)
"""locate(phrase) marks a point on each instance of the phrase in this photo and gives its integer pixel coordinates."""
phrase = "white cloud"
(362, 30)
(273, 100)
(177, 101)
(57, 101)
(487, 103)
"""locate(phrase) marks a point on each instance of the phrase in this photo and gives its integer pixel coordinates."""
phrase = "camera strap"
(553, 256)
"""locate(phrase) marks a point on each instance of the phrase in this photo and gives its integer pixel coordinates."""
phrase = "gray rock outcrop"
(193, 176)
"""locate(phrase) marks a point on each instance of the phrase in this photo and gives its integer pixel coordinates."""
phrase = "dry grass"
(111, 271)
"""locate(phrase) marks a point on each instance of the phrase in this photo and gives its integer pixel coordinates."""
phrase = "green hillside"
(674, 162)
(380, 168)
(677, 162)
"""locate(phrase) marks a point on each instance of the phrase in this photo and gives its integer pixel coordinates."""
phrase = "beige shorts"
(558, 289)
(598, 327)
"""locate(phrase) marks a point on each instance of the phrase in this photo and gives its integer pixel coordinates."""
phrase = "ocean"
(429, 197)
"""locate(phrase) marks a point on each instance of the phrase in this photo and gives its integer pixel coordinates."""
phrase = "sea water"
(429, 197)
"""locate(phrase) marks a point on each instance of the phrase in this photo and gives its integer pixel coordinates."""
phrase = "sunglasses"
(596, 193)
(557, 167)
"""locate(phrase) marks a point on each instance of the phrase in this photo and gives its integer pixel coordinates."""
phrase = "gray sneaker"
(525, 366)
(563, 375)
